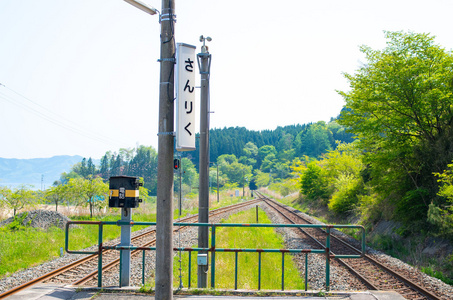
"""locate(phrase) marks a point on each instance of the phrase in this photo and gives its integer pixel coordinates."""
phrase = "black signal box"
(124, 191)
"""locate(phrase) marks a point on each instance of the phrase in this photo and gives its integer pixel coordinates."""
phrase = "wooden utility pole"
(164, 218)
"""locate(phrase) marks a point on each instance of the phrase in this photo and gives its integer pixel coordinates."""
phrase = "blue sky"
(81, 77)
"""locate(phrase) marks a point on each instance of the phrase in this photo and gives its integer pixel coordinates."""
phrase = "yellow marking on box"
(129, 193)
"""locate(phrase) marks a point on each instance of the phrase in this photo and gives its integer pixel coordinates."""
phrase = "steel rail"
(115, 262)
(357, 274)
(407, 281)
(78, 262)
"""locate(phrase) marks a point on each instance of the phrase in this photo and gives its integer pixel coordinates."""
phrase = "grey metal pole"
(204, 62)
(126, 216)
(180, 186)
(164, 218)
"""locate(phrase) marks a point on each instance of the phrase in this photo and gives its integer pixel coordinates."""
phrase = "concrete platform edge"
(378, 295)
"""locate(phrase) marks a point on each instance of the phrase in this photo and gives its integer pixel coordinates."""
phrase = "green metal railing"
(213, 248)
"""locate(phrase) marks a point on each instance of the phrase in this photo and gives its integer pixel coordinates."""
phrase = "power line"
(53, 118)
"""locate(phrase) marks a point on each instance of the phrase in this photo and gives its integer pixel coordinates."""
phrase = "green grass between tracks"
(271, 263)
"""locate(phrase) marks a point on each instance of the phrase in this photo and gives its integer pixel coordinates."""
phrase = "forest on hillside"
(242, 156)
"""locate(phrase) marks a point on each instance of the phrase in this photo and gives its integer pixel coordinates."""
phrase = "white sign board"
(185, 97)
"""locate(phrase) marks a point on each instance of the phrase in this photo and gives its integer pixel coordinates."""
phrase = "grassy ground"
(248, 262)
(23, 247)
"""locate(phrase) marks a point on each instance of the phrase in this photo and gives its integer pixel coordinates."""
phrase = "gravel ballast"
(40, 219)
(340, 281)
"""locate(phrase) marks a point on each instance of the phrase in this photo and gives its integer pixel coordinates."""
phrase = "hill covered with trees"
(242, 155)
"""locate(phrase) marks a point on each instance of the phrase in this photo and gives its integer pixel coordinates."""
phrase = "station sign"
(185, 97)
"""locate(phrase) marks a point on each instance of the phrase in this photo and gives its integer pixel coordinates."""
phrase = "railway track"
(85, 269)
(372, 273)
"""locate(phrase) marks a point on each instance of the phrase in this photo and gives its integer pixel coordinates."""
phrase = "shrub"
(345, 199)
(313, 183)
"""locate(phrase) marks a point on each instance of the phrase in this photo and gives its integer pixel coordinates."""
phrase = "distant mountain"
(14, 172)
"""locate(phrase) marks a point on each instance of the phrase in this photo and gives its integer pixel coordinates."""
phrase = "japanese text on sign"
(185, 97)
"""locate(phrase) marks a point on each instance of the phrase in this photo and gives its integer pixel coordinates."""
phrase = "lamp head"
(142, 6)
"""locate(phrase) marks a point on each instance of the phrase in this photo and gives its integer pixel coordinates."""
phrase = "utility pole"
(204, 63)
(217, 183)
(164, 218)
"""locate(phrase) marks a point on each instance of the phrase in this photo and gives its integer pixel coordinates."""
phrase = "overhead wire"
(56, 119)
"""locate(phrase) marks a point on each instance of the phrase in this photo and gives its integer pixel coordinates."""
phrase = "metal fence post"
(121, 265)
(328, 259)
(100, 256)
(190, 268)
(306, 271)
(259, 270)
(283, 271)
(236, 270)
(143, 268)
(213, 257)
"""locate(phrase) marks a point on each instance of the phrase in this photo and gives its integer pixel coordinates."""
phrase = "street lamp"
(142, 6)
(204, 65)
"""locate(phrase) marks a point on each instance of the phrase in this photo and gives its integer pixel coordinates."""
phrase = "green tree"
(57, 194)
(144, 164)
(91, 168)
(261, 178)
(65, 177)
(442, 216)
(93, 191)
(226, 159)
(5, 193)
(250, 153)
(250, 150)
(116, 165)
(346, 160)
(234, 170)
(268, 163)
(343, 169)
(313, 183)
(315, 141)
(189, 175)
(104, 170)
(17, 198)
(127, 153)
(83, 171)
(264, 151)
(400, 108)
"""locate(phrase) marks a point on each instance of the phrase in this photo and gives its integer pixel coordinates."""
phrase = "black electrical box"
(124, 191)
